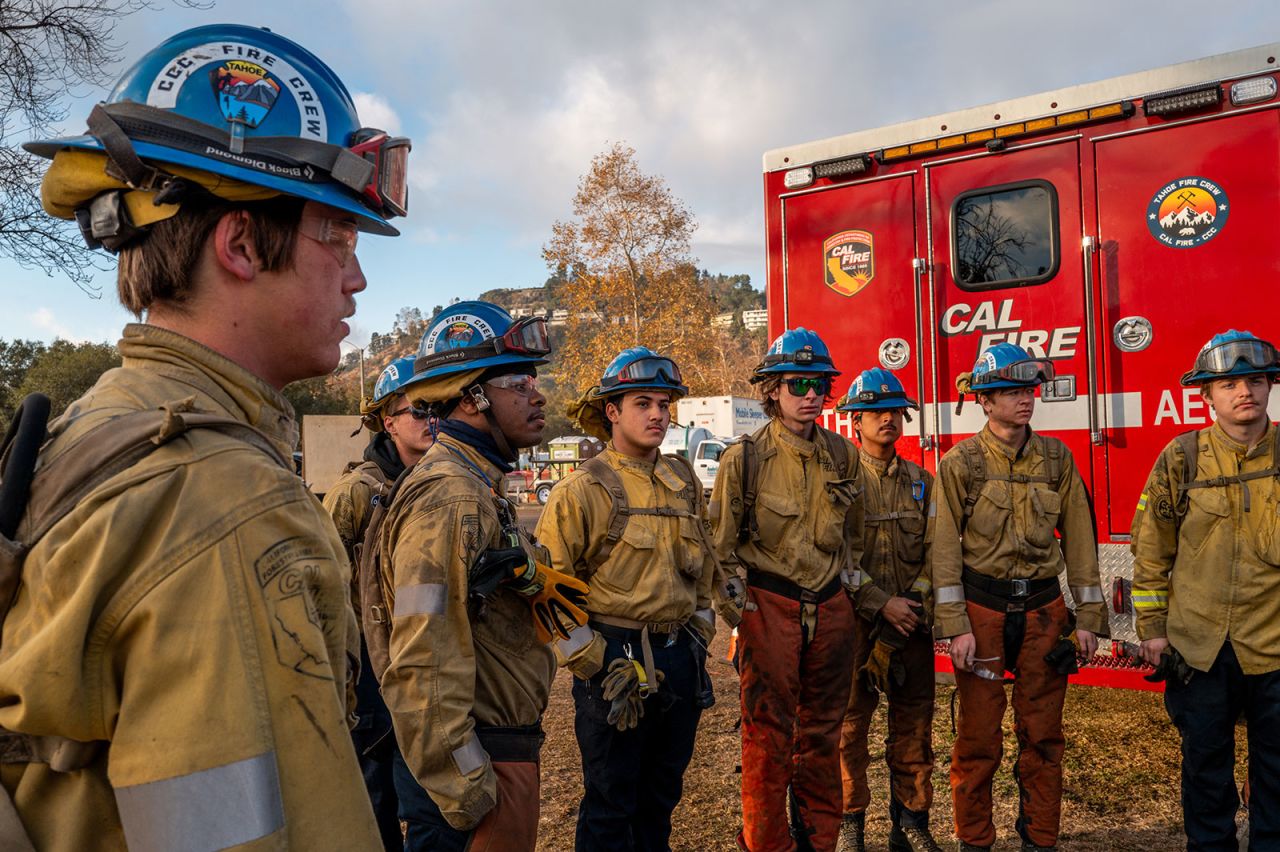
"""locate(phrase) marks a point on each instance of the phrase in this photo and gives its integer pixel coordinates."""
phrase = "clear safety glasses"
(388, 187)
(1019, 371)
(1224, 357)
(339, 235)
(517, 384)
(801, 385)
(644, 370)
(983, 671)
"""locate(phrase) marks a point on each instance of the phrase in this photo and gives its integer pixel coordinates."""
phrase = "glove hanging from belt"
(625, 687)
(1064, 657)
(1173, 669)
(884, 670)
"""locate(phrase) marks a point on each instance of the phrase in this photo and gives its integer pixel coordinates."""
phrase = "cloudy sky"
(508, 101)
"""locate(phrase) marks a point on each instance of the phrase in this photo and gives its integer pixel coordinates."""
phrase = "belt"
(626, 628)
(1010, 595)
(514, 744)
(780, 586)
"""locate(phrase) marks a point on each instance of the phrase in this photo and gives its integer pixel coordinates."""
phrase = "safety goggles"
(801, 385)
(416, 413)
(1023, 372)
(388, 185)
(339, 235)
(644, 371)
(522, 385)
(526, 336)
(1224, 357)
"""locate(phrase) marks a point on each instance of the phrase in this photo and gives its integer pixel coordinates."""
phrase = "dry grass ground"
(1121, 774)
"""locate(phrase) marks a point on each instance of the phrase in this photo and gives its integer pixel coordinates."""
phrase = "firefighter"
(995, 561)
(1206, 548)
(893, 645)
(467, 672)
(629, 522)
(174, 667)
(787, 515)
(399, 435)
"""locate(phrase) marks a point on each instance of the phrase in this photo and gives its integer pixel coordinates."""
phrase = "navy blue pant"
(376, 749)
(1205, 712)
(633, 779)
(426, 828)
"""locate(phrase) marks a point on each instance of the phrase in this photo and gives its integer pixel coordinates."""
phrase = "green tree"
(16, 358)
(324, 395)
(65, 370)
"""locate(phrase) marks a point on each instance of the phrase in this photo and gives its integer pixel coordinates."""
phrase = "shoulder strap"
(838, 449)
(692, 485)
(375, 618)
(380, 487)
(977, 467)
(1055, 451)
(619, 509)
(1189, 444)
(747, 527)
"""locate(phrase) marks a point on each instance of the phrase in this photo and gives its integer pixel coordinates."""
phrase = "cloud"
(375, 111)
(45, 320)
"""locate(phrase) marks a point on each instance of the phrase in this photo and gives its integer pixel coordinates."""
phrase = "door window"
(1005, 236)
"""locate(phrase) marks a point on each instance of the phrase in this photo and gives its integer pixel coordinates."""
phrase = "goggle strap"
(790, 358)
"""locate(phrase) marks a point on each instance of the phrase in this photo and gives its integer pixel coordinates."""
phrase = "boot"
(911, 839)
(1028, 846)
(969, 847)
(852, 829)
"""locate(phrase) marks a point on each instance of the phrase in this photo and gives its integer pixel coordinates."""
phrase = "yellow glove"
(883, 669)
(558, 602)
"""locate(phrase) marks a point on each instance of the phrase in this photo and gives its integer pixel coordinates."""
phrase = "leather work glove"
(732, 602)
(559, 604)
(1063, 657)
(625, 688)
(883, 670)
(495, 567)
(1173, 668)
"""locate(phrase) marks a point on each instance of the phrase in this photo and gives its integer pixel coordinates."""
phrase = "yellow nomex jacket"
(896, 496)
(454, 666)
(660, 572)
(808, 513)
(1205, 569)
(1010, 535)
(190, 619)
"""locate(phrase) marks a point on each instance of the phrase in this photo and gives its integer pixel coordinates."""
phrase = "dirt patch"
(1121, 786)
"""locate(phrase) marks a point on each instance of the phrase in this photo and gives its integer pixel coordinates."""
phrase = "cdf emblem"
(849, 261)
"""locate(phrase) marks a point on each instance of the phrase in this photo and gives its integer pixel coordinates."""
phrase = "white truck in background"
(700, 447)
(723, 416)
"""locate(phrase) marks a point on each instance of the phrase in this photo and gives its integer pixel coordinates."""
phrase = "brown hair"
(767, 402)
(160, 266)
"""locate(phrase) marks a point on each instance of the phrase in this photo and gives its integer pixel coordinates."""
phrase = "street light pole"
(361, 351)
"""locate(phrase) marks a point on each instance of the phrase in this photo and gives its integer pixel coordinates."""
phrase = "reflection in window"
(1005, 236)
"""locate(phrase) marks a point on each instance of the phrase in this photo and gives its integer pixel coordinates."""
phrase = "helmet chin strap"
(495, 431)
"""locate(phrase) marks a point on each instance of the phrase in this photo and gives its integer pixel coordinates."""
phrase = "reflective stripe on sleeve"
(1150, 599)
(469, 757)
(921, 585)
(851, 579)
(933, 510)
(1087, 594)
(420, 599)
(206, 810)
(579, 638)
(949, 594)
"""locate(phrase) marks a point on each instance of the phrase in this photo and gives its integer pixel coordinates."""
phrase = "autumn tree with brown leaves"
(630, 280)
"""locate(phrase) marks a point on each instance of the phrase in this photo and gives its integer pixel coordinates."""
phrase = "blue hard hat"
(397, 374)
(1233, 353)
(479, 335)
(796, 350)
(640, 368)
(251, 105)
(876, 390)
(1005, 365)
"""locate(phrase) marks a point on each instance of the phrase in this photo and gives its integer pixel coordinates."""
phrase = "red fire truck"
(1112, 227)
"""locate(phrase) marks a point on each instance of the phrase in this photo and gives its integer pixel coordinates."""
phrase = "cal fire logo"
(246, 91)
(1187, 212)
(849, 260)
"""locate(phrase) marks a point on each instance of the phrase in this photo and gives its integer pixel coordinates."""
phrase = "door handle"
(1089, 245)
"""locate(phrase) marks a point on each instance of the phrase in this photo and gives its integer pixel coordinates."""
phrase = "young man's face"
(518, 408)
(411, 435)
(640, 419)
(807, 406)
(1010, 407)
(1238, 400)
(881, 428)
(311, 299)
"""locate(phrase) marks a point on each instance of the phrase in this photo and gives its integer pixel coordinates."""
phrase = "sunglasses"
(521, 385)
(415, 413)
(800, 386)
(340, 236)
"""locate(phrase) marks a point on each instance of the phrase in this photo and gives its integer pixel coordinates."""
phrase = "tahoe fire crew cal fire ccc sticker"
(848, 260)
(1187, 212)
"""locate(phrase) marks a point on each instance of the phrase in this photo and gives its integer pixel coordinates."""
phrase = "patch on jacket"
(296, 627)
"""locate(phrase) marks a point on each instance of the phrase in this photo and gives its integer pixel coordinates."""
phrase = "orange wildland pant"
(909, 746)
(513, 822)
(795, 662)
(1038, 695)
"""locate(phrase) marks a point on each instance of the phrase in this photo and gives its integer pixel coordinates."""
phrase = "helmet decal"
(246, 92)
(461, 330)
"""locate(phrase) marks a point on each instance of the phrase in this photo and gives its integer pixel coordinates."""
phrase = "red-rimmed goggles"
(527, 336)
(644, 371)
(1023, 372)
(388, 186)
